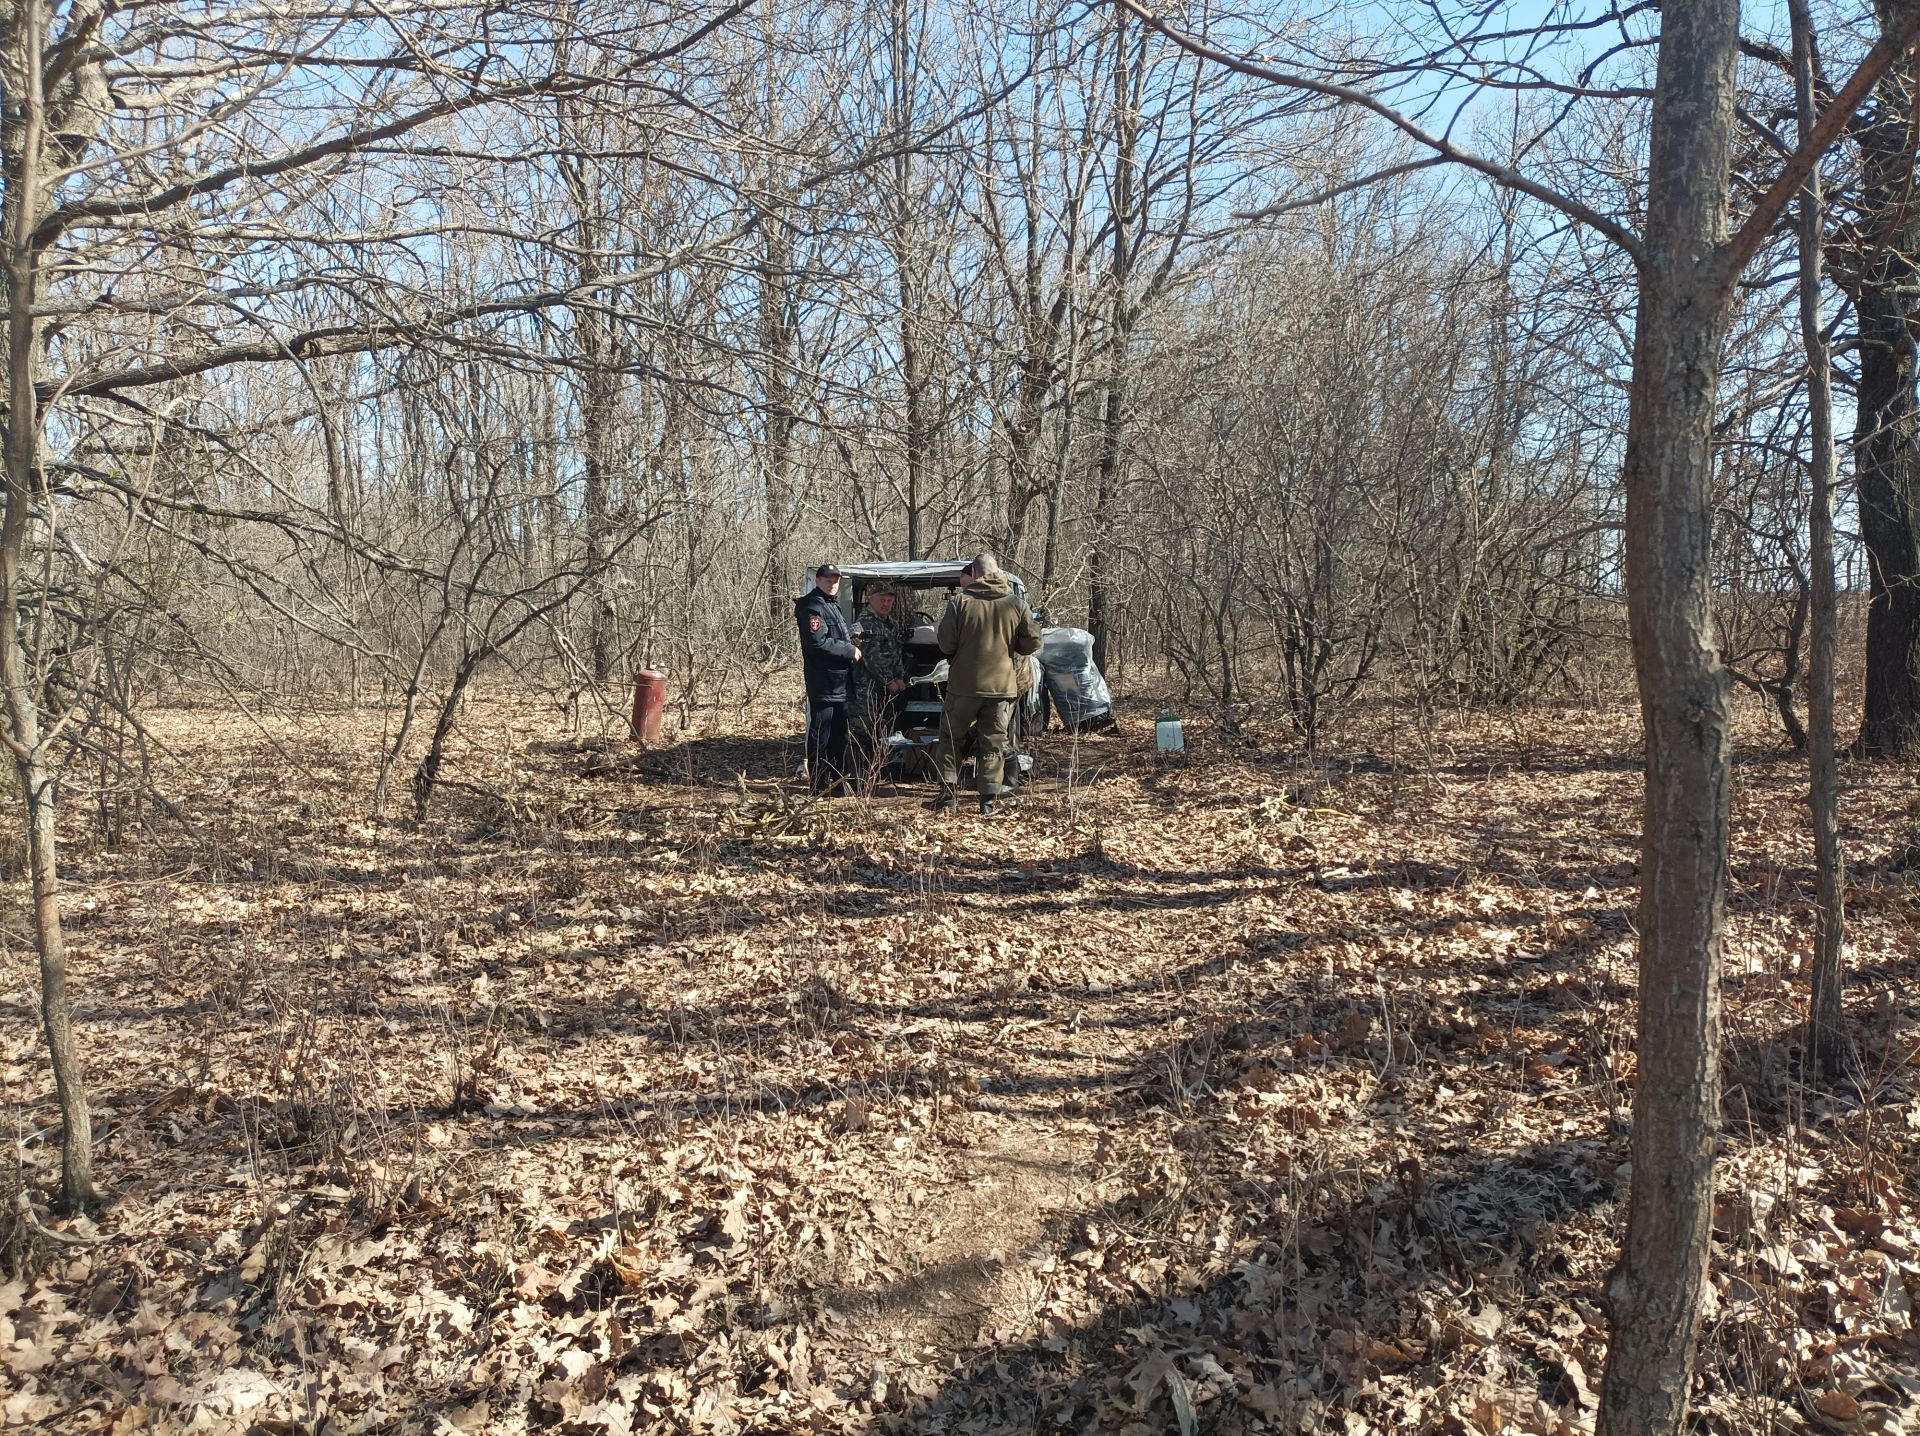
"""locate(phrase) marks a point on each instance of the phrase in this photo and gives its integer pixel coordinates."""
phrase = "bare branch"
(1326, 195)
(1833, 120)
(1444, 149)
(353, 140)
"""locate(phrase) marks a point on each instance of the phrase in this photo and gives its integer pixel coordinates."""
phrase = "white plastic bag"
(1079, 693)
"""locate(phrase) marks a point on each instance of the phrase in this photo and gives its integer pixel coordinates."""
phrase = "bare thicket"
(356, 353)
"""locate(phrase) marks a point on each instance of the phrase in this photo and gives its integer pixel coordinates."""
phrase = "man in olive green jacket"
(985, 633)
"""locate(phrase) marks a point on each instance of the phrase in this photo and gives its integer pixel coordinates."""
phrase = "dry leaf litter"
(639, 1093)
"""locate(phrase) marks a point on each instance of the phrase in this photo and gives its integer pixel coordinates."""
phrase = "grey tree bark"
(1655, 1290)
(778, 359)
(23, 152)
(910, 275)
(598, 378)
(1887, 407)
(1121, 201)
(1825, 1030)
(1688, 267)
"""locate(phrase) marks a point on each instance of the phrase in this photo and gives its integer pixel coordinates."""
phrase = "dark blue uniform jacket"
(826, 647)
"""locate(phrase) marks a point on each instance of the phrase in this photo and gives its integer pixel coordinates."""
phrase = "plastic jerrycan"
(1168, 736)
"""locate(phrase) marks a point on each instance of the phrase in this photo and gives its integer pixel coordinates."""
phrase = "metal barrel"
(649, 704)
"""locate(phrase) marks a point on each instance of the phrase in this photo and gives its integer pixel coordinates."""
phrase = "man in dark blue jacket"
(828, 653)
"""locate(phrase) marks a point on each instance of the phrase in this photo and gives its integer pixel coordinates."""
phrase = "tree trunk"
(1113, 421)
(1886, 434)
(550, 513)
(426, 778)
(778, 341)
(1021, 489)
(1034, 380)
(596, 422)
(1884, 437)
(409, 710)
(598, 396)
(22, 151)
(599, 385)
(1100, 553)
(1050, 563)
(1655, 1290)
(908, 263)
(913, 368)
(1825, 1033)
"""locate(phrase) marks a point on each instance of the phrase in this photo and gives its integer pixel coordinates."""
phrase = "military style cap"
(827, 570)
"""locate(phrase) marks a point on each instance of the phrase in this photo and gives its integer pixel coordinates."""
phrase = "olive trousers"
(980, 723)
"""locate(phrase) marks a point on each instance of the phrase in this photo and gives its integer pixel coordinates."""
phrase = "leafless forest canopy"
(552, 339)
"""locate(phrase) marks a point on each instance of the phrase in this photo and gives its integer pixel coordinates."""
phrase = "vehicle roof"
(928, 571)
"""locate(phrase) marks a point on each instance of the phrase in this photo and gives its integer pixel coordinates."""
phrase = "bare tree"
(1688, 257)
(1123, 183)
(1825, 1035)
(598, 368)
(1879, 268)
(90, 199)
(1032, 211)
(28, 139)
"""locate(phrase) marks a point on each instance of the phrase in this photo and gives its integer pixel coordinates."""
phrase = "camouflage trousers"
(979, 723)
(873, 723)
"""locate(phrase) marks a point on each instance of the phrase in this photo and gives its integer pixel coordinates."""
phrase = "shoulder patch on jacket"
(813, 622)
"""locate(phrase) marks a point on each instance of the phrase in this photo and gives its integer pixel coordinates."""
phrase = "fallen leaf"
(1353, 1032)
(1836, 1405)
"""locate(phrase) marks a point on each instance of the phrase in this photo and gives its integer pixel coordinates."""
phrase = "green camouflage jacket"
(883, 656)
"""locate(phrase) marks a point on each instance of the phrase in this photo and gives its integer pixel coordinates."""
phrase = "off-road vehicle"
(924, 586)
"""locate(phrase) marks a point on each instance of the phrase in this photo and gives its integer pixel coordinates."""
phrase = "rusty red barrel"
(649, 704)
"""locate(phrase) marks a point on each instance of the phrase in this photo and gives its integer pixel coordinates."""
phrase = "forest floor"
(642, 1093)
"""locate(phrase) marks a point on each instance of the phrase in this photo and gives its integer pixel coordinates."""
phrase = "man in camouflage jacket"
(883, 677)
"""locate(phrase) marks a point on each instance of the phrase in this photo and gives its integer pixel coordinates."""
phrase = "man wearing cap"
(883, 678)
(828, 655)
(985, 633)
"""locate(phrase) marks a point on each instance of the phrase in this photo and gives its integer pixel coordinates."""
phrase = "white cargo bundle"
(1078, 692)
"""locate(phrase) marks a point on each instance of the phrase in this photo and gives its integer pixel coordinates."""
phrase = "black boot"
(946, 804)
(987, 808)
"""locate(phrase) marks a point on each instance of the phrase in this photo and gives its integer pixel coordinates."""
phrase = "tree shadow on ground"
(1403, 1276)
(721, 760)
(757, 761)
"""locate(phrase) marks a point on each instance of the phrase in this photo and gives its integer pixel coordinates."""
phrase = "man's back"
(981, 632)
